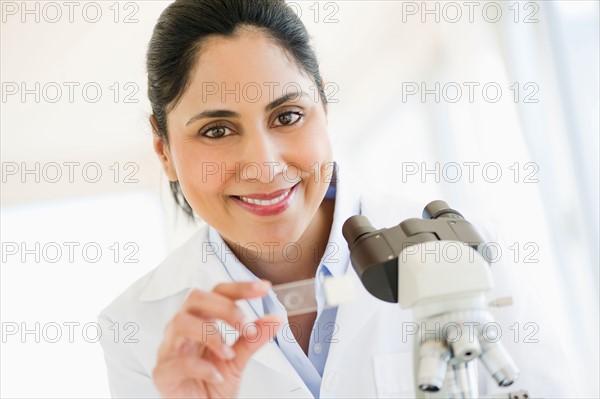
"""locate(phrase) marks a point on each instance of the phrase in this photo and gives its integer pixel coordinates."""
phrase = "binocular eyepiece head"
(358, 225)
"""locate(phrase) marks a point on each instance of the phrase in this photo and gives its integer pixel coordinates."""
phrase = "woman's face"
(248, 142)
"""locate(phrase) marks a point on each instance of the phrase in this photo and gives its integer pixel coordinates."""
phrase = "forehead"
(248, 59)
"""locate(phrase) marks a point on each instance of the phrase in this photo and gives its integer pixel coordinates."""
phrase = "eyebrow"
(224, 113)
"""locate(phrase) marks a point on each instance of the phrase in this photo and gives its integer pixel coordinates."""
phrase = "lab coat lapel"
(288, 380)
(271, 357)
(351, 318)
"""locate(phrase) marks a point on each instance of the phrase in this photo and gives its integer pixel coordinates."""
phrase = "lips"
(267, 204)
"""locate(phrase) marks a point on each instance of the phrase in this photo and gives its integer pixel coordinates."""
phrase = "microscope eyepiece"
(355, 227)
(438, 208)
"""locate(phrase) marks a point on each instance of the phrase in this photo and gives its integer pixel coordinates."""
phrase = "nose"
(262, 157)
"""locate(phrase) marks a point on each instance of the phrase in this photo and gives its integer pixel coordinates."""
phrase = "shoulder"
(192, 265)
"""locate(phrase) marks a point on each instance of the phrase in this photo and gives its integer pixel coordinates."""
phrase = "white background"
(370, 52)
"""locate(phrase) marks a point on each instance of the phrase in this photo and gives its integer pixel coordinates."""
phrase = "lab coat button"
(317, 348)
(332, 380)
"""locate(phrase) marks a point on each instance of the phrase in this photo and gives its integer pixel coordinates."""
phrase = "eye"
(215, 132)
(288, 118)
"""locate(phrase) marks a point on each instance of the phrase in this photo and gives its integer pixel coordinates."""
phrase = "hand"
(193, 359)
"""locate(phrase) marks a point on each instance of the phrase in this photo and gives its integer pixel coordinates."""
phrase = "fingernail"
(228, 352)
(218, 377)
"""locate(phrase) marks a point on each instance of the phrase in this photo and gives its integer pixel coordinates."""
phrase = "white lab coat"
(372, 352)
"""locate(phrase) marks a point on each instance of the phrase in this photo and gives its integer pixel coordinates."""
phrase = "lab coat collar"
(185, 268)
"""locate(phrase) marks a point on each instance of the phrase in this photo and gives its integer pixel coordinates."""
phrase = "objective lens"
(499, 363)
(433, 361)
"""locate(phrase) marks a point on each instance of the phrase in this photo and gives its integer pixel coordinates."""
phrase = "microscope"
(437, 267)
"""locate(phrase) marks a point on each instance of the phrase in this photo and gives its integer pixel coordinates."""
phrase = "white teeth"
(265, 202)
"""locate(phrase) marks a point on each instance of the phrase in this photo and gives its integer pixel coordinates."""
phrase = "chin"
(274, 234)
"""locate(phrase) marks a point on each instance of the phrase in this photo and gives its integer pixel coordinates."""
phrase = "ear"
(161, 148)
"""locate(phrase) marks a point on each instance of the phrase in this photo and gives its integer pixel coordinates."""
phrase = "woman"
(240, 127)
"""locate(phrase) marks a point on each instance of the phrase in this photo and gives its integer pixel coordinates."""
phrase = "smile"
(267, 204)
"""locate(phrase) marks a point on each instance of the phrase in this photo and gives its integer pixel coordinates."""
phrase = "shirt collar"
(234, 267)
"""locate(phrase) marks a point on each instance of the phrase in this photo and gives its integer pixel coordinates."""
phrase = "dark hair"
(178, 36)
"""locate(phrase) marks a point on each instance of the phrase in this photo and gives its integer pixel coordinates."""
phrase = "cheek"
(197, 172)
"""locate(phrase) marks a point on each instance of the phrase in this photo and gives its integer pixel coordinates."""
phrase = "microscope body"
(445, 284)
(436, 267)
(437, 277)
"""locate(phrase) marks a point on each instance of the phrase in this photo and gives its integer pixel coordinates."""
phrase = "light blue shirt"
(334, 262)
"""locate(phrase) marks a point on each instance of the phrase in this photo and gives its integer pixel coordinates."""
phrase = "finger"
(220, 303)
(243, 290)
(172, 372)
(185, 328)
(191, 321)
(253, 337)
(212, 305)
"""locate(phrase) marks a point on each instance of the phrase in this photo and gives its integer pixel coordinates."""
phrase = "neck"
(311, 246)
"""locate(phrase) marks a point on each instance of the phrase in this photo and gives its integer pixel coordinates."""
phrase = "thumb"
(253, 336)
